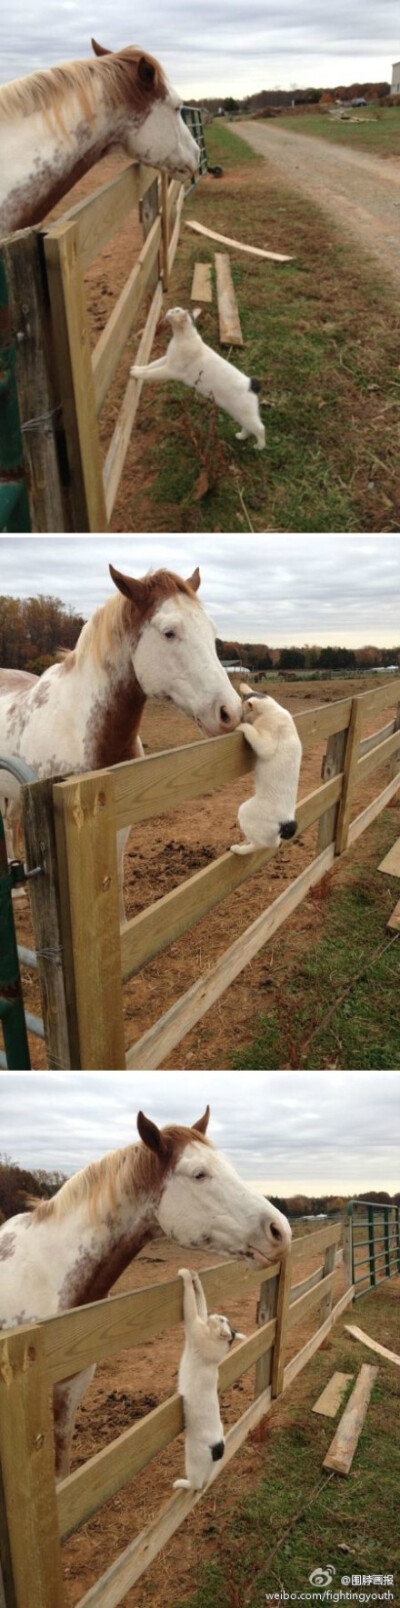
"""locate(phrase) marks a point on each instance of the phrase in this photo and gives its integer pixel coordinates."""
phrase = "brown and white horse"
(152, 639)
(55, 125)
(71, 1249)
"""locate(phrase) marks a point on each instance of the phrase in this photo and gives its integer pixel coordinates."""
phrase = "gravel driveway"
(361, 193)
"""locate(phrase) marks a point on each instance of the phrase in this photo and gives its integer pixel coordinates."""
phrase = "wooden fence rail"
(62, 384)
(82, 977)
(34, 1515)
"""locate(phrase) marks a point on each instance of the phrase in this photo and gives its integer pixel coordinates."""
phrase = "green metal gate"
(375, 1243)
(193, 118)
(14, 1020)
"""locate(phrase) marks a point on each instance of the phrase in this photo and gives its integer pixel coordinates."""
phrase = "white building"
(396, 78)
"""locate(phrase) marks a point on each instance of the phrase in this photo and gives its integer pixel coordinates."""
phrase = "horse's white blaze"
(184, 666)
(163, 140)
(205, 1200)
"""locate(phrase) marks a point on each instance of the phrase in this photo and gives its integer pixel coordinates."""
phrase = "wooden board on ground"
(394, 919)
(331, 1398)
(201, 282)
(391, 862)
(373, 1345)
(345, 1441)
(230, 333)
(254, 251)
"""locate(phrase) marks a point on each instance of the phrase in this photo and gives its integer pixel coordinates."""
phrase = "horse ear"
(99, 50)
(146, 72)
(194, 580)
(127, 585)
(149, 1134)
(202, 1124)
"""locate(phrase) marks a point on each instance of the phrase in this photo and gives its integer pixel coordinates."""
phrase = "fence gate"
(375, 1243)
(15, 1021)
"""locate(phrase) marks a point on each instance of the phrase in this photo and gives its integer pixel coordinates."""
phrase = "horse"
(69, 1250)
(151, 639)
(55, 125)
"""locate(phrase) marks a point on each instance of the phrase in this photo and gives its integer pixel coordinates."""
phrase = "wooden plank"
(376, 738)
(253, 251)
(306, 1284)
(38, 822)
(281, 1331)
(89, 1487)
(379, 756)
(83, 1335)
(201, 283)
(7, 1588)
(349, 777)
(120, 439)
(313, 1243)
(370, 813)
(299, 1362)
(394, 920)
(155, 928)
(70, 335)
(38, 400)
(133, 1562)
(89, 909)
(391, 863)
(332, 1396)
(175, 232)
(266, 1310)
(373, 1345)
(312, 1298)
(102, 213)
(230, 333)
(153, 1047)
(164, 231)
(345, 1442)
(149, 213)
(332, 765)
(27, 1463)
(112, 341)
(328, 1268)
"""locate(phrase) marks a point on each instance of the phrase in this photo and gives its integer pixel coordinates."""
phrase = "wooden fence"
(62, 384)
(85, 956)
(35, 1516)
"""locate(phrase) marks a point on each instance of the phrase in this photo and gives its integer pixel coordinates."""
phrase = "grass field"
(322, 336)
(298, 1518)
(379, 131)
(337, 1005)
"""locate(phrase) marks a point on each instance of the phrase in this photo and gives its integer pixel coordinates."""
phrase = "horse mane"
(133, 1169)
(44, 91)
(117, 616)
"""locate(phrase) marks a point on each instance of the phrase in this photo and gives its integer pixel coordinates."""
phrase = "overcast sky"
(221, 47)
(274, 589)
(293, 1132)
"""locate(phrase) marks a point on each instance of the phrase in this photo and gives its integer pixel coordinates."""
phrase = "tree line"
(258, 656)
(33, 630)
(16, 1184)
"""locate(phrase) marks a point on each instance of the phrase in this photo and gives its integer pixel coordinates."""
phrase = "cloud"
(292, 1131)
(344, 589)
(228, 47)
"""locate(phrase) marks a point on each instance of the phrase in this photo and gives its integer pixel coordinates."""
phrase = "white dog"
(188, 359)
(269, 816)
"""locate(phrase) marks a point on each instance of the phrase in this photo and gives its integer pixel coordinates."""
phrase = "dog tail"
(287, 829)
(255, 385)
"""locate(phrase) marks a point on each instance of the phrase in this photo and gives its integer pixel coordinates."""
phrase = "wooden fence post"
(27, 1465)
(328, 1267)
(38, 820)
(349, 776)
(332, 765)
(348, 1246)
(395, 763)
(40, 415)
(266, 1309)
(89, 917)
(165, 230)
(75, 375)
(282, 1309)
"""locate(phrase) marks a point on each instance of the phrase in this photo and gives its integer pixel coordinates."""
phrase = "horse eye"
(199, 1176)
(170, 634)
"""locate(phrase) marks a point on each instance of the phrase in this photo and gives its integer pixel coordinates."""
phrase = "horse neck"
(110, 697)
(47, 154)
(100, 1238)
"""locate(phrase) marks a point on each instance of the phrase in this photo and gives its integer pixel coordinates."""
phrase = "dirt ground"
(127, 1387)
(167, 850)
(359, 192)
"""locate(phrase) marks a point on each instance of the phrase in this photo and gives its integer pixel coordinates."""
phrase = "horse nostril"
(224, 716)
(275, 1232)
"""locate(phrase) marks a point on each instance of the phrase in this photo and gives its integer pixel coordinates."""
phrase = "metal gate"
(14, 1020)
(375, 1243)
(194, 121)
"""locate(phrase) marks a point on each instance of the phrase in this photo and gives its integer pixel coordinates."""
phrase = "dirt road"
(361, 193)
